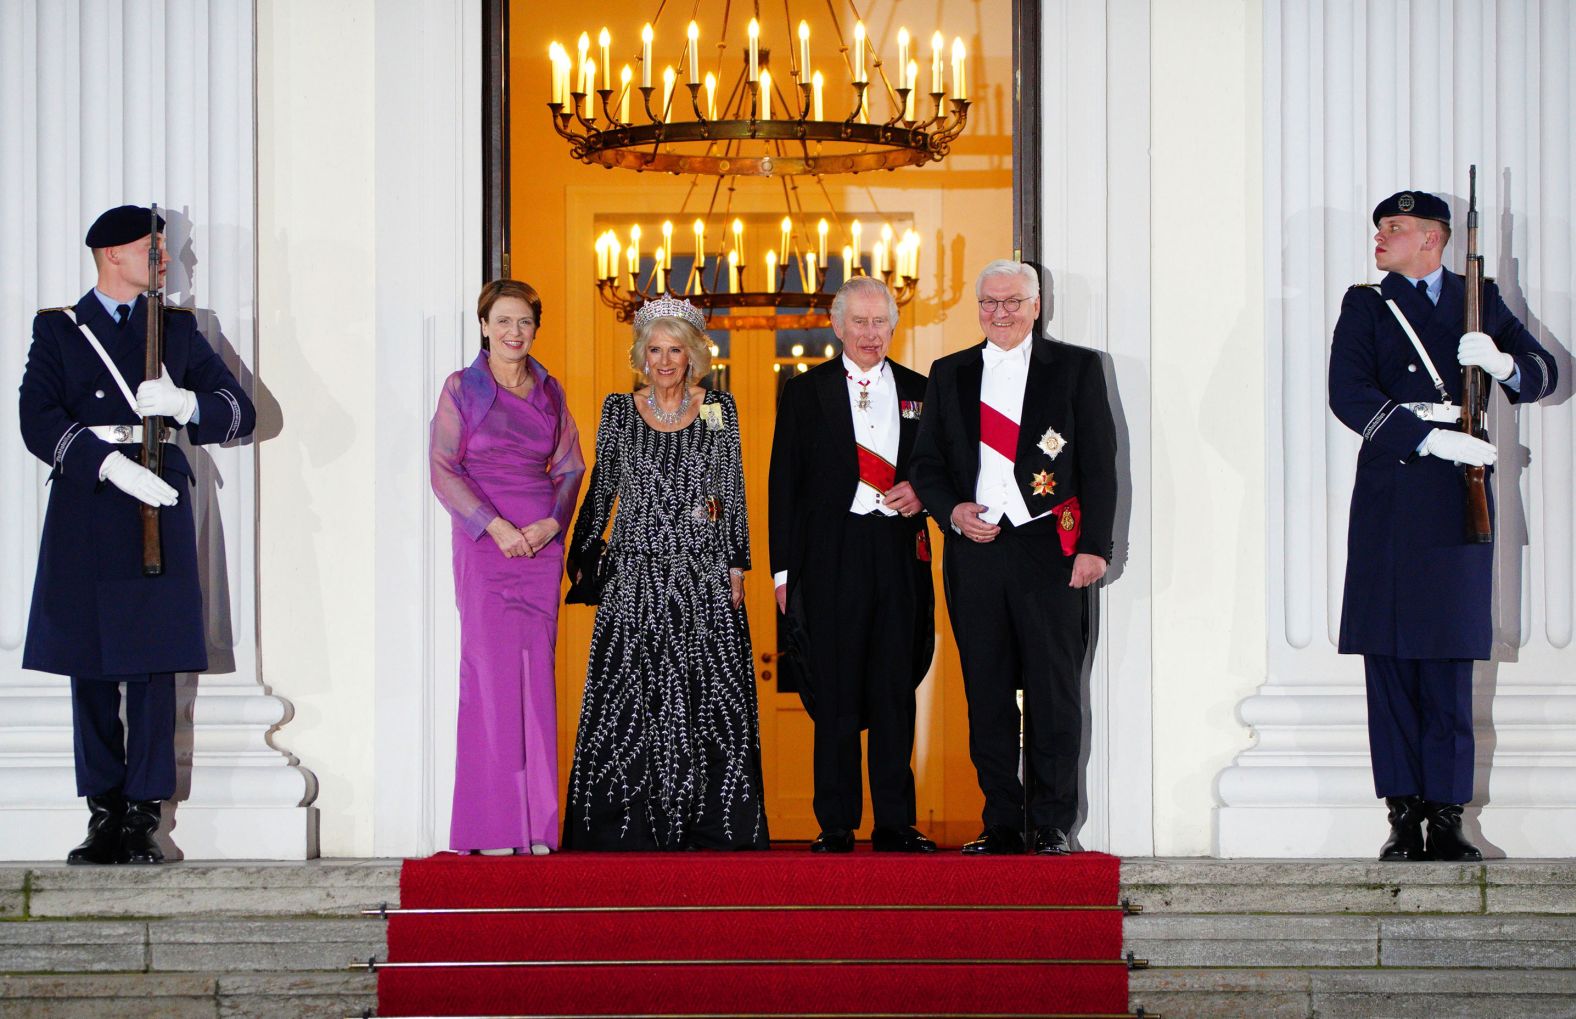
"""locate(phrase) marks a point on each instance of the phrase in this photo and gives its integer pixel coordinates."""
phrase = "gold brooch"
(1044, 483)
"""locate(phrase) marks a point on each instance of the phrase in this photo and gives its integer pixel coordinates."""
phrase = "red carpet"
(778, 933)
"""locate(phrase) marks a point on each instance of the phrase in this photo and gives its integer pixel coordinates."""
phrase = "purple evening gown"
(496, 454)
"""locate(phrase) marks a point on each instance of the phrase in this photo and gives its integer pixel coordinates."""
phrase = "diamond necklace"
(664, 417)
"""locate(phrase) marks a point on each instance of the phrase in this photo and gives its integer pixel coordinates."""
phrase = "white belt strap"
(98, 348)
(1417, 344)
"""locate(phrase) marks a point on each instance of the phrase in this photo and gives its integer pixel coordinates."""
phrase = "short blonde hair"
(696, 344)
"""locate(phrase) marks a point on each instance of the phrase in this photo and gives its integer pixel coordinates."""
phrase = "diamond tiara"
(670, 307)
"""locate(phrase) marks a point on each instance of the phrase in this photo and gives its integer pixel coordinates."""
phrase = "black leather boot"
(105, 814)
(136, 838)
(1445, 840)
(1406, 830)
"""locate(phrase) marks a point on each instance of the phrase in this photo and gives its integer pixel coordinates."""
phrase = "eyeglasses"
(1010, 304)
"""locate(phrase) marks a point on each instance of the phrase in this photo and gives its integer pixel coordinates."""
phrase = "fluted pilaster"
(133, 104)
(1362, 99)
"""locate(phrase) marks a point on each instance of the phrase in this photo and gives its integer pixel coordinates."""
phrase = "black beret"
(1413, 203)
(121, 225)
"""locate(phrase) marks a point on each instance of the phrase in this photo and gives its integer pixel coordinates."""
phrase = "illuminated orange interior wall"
(552, 195)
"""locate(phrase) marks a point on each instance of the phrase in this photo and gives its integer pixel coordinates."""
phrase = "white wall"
(1208, 478)
(368, 251)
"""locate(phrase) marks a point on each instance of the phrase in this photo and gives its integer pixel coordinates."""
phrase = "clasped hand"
(515, 542)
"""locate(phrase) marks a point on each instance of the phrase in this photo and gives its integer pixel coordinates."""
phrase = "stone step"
(317, 887)
(227, 945)
(1354, 993)
(187, 995)
(1535, 942)
(1310, 887)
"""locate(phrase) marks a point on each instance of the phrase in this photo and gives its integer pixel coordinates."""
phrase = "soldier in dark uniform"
(94, 616)
(1417, 591)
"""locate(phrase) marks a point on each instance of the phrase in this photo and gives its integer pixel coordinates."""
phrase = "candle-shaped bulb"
(711, 96)
(818, 110)
(913, 90)
(771, 272)
(667, 243)
(646, 35)
(624, 77)
(821, 229)
(902, 53)
(556, 97)
(766, 94)
(589, 77)
(738, 235)
(733, 272)
(859, 52)
(693, 53)
(668, 78)
(812, 282)
(937, 44)
(959, 62)
(848, 263)
(604, 44)
(856, 232)
(700, 243)
(755, 50)
(886, 234)
(584, 46)
(804, 50)
(787, 225)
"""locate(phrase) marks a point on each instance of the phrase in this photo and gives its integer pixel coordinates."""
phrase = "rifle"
(153, 427)
(1474, 383)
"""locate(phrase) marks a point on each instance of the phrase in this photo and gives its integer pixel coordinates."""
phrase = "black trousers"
(137, 759)
(1018, 625)
(865, 646)
(1420, 727)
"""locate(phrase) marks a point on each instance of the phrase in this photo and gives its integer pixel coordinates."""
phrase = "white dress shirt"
(876, 428)
(1001, 386)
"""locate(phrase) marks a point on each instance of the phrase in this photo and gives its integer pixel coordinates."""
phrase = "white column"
(1362, 99)
(428, 210)
(1094, 77)
(105, 105)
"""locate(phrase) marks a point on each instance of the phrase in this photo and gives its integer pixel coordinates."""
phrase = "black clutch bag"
(593, 567)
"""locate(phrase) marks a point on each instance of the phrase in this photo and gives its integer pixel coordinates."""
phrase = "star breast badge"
(1051, 443)
(1044, 483)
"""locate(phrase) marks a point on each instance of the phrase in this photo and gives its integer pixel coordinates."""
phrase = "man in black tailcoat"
(850, 552)
(94, 616)
(1416, 605)
(1016, 452)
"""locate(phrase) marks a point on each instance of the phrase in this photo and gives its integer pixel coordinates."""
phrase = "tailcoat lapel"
(971, 374)
(1034, 419)
(837, 415)
(907, 428)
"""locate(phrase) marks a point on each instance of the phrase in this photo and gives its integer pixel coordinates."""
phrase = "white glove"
(162, 398)
(1477, 350)
(1461, 448)
(136, 480)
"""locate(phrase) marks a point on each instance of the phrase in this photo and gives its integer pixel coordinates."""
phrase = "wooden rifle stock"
(153, 427)
(1474, 385)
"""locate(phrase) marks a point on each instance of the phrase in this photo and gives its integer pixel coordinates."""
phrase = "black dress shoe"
(995, 840)
(1406, 830)
(1445, 840)
(104, 819)
(1051, 842)
(900, 840)
(833, 840)
(136, 834)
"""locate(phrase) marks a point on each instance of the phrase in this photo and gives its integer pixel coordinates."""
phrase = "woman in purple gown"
(506, 464)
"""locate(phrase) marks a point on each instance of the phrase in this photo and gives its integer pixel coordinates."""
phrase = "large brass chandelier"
(770, 126)
(755, 126)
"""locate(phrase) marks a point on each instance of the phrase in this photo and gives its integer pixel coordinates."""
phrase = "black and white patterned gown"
(668, 752)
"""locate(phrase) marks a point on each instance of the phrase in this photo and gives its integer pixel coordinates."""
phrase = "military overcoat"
(1415, 586)
(93, 612)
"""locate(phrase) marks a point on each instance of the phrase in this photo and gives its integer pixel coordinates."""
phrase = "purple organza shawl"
(466, 398)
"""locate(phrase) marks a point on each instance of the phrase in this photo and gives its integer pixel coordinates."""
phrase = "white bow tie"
(995, 356)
